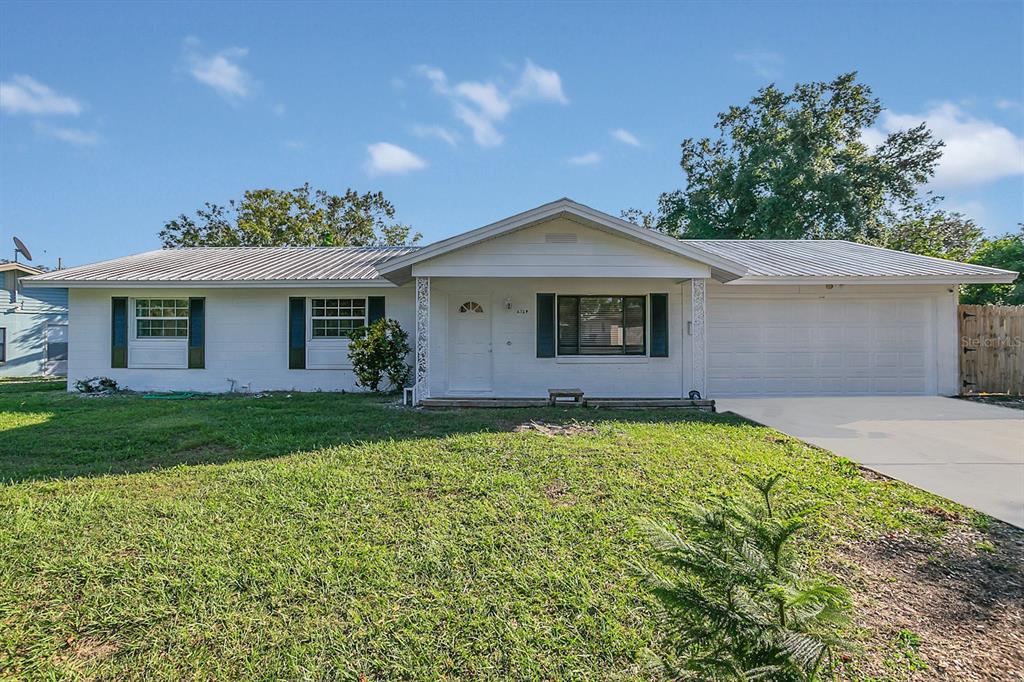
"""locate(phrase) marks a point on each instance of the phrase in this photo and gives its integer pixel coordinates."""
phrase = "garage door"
(775, 346)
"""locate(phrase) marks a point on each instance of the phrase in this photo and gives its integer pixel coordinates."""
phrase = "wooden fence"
(992, 349)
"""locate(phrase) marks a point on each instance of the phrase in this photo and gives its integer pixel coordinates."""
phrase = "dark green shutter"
(196, 333)
(374, 309)
(545, 325)
(296, 333)
(659, 325)
(118, 332)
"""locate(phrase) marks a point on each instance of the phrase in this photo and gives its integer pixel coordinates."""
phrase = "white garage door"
(776, 346)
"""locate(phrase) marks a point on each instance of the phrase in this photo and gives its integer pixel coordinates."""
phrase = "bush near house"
(378, 353)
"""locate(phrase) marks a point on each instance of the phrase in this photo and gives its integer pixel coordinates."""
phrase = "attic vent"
(560, 238)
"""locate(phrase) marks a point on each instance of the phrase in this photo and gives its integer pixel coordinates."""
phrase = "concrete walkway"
(965, 451)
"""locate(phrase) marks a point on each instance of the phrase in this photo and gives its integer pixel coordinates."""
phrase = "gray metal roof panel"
(236, 264)
(832, 258)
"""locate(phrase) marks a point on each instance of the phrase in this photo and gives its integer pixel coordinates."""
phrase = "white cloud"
(390, 159)
(486, 97)
(540, 84)
(221, 70)
(441, 133)
(73, 136)
(625, 137)
(588, 159)
(1009, 104)
(25, 95)
(484, 132)
(976, 152)
(764, 64)
(481, 105)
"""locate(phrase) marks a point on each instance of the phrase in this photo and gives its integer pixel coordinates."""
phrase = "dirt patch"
(949, 609)
(572, 428)
(81, 653)
(557, 493)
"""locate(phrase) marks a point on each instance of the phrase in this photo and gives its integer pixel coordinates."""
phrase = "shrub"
(378, 353)
(96, 385)
(735, 603)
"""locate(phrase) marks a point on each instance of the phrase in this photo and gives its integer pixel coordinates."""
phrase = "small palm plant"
(736, 606)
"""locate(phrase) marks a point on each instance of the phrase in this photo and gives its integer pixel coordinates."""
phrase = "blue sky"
(117, 117)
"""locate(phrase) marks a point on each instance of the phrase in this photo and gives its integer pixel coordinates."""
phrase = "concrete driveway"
(967, 452)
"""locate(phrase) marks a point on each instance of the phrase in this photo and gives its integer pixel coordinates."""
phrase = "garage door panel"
(810, 347)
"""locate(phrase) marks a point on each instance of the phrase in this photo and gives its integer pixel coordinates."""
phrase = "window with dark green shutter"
(545, 325)
(297, 333)
(602, 325)
(196, 333)
(659, 325)
(118, 332)
(374, 309)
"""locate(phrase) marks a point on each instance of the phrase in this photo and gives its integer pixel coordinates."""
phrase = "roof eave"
(1000, 278)
(209, 284)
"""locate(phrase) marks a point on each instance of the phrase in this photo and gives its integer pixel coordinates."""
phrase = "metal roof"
(243, 264)
(835, 259)
(764, 261)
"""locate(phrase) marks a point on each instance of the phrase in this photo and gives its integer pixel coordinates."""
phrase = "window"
(3, 344)
(337, 317)
(471, 307)
(602, 325)
(161, 317)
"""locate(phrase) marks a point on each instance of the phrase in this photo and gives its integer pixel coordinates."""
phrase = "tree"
(940, 234)
(795, 165)
(1005, 252)
(736, 606)
(298, 217)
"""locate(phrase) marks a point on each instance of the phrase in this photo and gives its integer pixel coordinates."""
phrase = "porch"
(505, 342)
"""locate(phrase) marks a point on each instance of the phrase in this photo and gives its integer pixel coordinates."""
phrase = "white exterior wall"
(246, 340)
(516, 369)
(247, 333)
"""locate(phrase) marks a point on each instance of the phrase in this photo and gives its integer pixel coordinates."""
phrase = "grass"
(324, 536)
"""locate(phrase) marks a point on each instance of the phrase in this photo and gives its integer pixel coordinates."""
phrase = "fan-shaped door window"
(471, 307)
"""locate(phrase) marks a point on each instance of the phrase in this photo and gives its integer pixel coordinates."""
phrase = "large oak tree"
(297, 217)
(794, 165)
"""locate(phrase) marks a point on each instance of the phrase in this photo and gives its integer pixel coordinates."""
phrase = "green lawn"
(324, 536)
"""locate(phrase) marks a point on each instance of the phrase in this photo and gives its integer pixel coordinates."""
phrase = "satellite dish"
(19, 247)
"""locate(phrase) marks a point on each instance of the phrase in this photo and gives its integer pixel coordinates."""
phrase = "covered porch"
(504, 342)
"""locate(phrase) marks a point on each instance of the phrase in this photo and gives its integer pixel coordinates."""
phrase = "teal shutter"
(545, 325)
(196, 333)
(118, 332)
(659, 325)
(374, 309)
(297, 333)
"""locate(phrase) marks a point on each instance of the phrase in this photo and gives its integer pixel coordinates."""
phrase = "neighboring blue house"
(33, 325)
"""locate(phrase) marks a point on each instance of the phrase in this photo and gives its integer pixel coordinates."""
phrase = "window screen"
(337, 317)
(161, 317)
(601, 325)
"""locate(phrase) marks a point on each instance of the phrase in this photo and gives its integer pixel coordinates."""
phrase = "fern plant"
(736, 605)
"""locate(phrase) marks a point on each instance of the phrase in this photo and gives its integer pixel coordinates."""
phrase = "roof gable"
(399, 270)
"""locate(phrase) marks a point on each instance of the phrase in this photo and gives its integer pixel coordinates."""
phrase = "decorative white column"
(422, 338)
(698, 335)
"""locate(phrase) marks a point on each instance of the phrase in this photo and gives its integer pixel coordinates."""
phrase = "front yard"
(324, 536)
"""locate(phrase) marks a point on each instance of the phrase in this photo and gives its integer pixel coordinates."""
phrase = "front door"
(469, 343)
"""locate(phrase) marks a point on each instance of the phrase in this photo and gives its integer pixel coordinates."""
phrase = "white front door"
(469, 343)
